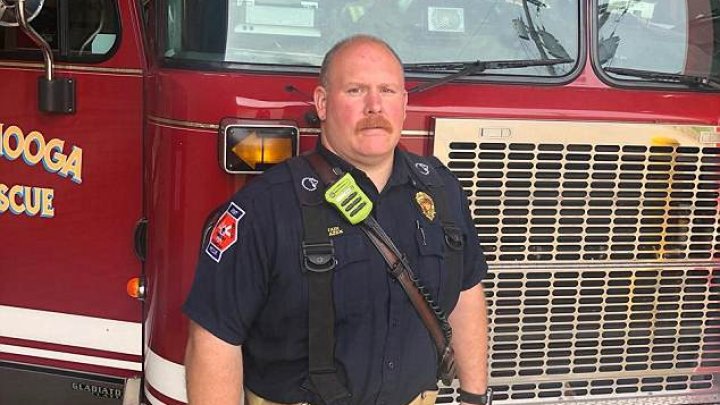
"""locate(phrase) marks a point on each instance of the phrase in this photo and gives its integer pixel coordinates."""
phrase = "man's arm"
(213, 369)
(470, 339)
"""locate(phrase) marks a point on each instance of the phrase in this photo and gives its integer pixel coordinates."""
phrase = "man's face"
(363, 107)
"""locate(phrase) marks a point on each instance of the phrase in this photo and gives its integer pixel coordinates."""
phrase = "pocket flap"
(430, 241)
(350, 249)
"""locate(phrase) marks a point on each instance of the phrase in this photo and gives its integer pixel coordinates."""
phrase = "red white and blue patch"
(225, 232)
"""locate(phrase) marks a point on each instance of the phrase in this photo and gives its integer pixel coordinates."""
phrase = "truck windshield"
(652, 40)
(287, 34)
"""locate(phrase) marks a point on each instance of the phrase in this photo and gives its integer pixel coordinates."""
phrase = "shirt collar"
(400, 174)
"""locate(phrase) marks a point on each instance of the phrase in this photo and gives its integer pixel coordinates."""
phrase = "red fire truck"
(585, 133)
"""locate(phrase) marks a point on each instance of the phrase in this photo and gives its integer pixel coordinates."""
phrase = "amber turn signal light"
(135, 288)
(248, 147)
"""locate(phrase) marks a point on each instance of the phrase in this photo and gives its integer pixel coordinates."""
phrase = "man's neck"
(379, 174)
(377, 170)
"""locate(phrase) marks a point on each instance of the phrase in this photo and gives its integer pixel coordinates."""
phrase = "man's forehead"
(344, 66)
(368, 49)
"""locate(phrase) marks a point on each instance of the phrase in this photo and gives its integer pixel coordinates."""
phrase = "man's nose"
(373, 102)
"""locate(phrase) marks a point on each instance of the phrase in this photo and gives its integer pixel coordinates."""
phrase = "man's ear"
(320, 98)
(405, 103)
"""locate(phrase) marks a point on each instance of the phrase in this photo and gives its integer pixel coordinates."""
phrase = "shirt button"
(391, 365)
(394, 322)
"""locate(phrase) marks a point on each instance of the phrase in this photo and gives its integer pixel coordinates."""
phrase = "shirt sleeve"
(475, 267)
(231, 279)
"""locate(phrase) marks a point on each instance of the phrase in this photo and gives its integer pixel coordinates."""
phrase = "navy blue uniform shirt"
(250, 290)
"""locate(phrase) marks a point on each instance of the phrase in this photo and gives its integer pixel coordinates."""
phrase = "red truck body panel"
(148, 136)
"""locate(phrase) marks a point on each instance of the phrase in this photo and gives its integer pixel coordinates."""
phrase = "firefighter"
(252, 332)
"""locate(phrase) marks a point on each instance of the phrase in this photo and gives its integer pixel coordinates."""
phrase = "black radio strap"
(430, 313)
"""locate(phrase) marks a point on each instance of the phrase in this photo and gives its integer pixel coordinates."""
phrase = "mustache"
(375, 121)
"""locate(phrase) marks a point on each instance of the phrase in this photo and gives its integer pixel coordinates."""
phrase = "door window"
(86, 30)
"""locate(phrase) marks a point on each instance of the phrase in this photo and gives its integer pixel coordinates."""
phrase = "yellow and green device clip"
(349, 199)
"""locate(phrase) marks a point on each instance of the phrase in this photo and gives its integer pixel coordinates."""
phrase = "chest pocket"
(430, 242)
(353, 276)
(440, 261)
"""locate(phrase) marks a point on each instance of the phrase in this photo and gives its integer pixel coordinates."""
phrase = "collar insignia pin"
(309, 183)
(422, 168)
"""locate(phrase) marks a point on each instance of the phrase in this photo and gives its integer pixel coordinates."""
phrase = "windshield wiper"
(471, 68)
(662, 77)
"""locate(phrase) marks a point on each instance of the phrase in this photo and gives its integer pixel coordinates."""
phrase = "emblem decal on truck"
(224, 234)
(98, 390)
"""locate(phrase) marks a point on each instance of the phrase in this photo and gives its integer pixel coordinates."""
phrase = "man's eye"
(354, 90)
(388, 90)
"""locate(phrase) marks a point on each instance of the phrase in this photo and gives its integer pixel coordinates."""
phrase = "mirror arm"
(45, 48)
(55, 95)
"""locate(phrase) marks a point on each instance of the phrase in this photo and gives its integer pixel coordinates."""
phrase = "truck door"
(70, 191)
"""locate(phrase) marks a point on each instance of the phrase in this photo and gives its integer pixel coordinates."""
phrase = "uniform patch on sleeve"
(224, 234)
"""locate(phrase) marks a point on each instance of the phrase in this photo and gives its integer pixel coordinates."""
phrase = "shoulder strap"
(318, 264)
(424, 171)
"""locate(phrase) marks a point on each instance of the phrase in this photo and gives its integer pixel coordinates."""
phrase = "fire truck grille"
(580, 202)
(648, 325)
(604, 286)
(571, 333)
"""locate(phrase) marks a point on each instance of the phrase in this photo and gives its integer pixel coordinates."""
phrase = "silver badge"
(309, 183)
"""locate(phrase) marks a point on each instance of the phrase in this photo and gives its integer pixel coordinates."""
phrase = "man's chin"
(377, 151)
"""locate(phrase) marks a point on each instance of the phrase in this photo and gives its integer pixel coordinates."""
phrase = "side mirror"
(55, 95)
(9, 11)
